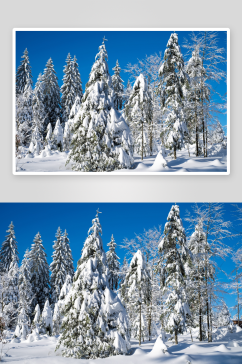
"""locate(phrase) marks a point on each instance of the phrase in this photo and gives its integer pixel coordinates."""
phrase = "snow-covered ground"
(226, 349)
(214, 163)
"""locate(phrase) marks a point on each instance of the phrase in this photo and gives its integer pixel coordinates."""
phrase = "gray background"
(121, 14)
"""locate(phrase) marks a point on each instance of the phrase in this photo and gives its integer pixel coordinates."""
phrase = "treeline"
(172, 103)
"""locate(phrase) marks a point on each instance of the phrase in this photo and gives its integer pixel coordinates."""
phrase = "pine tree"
(36, 320)
(24, 74)
(74, 115)
(173, 255)
(12, 294)
(39, 273)
(101, 136)
(95, 322)
(138, 114)
(22, 328)
(25, 286)
(9, 250)
(35, 144)
(224, 316)
(68, 255)
(24, 113)
(39, 107)
(58, 267)
(135, 294)
(46, 320)
(77, 79)
(117, 87)
(49, 135)
(113, 265)
(173, 79)
(57, 136)
(68, 89)
(63, 295)
(51, 94)
(56, 320)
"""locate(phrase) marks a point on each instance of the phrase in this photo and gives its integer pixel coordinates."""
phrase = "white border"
(121, 173)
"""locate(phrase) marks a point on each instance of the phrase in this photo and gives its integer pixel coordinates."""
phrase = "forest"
(167, 114)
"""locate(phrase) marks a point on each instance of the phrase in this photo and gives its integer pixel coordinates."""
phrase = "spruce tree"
(135, 295)
(77, 79)
(25, 286)
(57, 136)
(68, 255)
(57, 267)
(68, 89)
(12, 293)
(9, 250)
(173, 78)
(51, 94)
(173, 254)
(39, 107)
(138, 114)
(113, 265)
(46, 319)
(24, 113)
(118, 87)
(95, 322)
(22, 328)
(101, 137)
(39, 273)
(35, 144)
(24, 74)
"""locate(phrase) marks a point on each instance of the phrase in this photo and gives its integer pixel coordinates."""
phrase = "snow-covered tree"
(46, 320)
(38, 106)
(74, 115)
(25, 286)
(138, 113)
(56, 320)
(39, 272)
(127, 93)
(64, 293)
(8, 300)
(24, 113)
(77, 79)
(113, 265)
(36, 320)
(101, 140)
(51, 94)
(22, 328)
(173, 254)
(118, 87)
(58, 267)
(68, 89)
(135, 295)
(57, 136)
(35, 144)
(224, 316)
(49, 135)
(95, 322)
(173, 78)
(24, 74)
(68, 255)
(9, 250)
(12, 293)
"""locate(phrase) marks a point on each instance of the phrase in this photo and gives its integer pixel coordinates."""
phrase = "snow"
(42, 351)
(56, 163)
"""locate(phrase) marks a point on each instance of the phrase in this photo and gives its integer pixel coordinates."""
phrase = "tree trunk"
(237, 294)
(191, 334)
(174, 152)
(200, 318)
(176, 338)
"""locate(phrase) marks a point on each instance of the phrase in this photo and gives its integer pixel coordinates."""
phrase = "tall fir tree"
(68, 255)
(24, 74)
(25, 286)
(24, 113)
(51, 94)
(68, 89)
(173, 254)
(138, 114)
(39, 273)
(38, 106)
(135, 295)
(173, 78)
(113, 265)
(95, 322)
(77, 79)
(9, 250)
(101, 137)
(118, 87)
(57, 268)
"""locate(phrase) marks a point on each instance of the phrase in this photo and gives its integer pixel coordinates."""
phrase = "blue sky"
(122, 220)
(126, 46)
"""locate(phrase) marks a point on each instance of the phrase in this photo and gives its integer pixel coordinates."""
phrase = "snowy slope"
(216, 162)
(226, 350)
